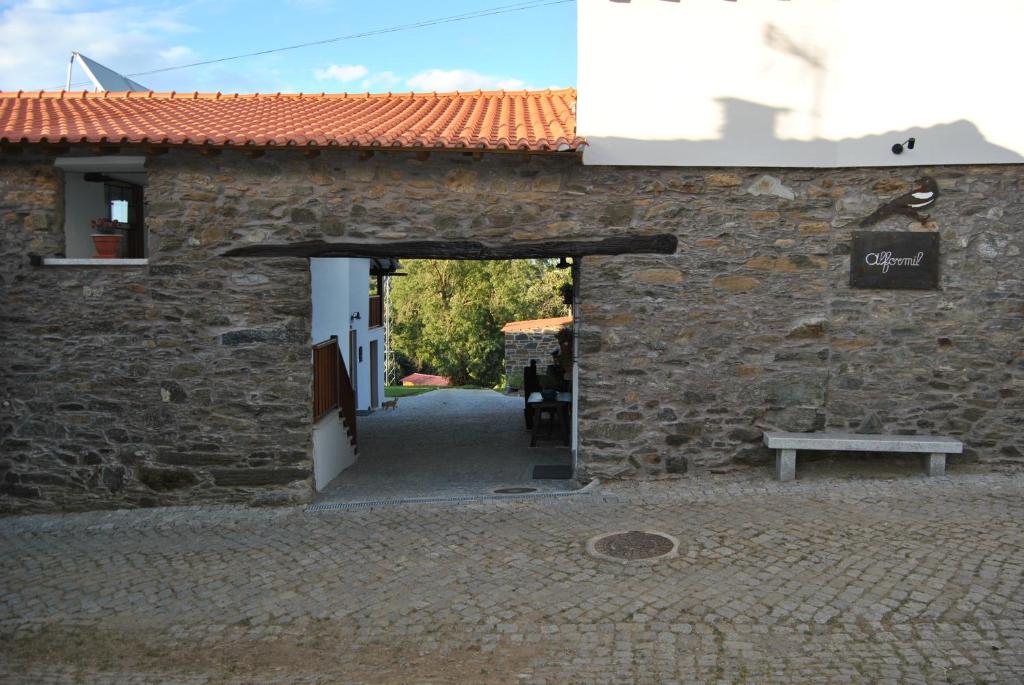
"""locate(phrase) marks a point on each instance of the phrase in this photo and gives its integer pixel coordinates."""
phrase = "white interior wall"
(359, 300)
(802, 83)
(83, 202)
(330, 283)
(332, 450)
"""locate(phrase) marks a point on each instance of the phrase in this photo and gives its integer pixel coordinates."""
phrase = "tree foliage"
(447, 315)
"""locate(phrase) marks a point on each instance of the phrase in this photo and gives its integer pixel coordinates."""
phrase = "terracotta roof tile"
(537, 121)
(426, 379)
(536, 324)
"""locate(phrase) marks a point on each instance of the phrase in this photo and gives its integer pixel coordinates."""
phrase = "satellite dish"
(103, 78)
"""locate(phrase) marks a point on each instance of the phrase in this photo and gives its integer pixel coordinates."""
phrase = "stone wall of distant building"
(521, 346)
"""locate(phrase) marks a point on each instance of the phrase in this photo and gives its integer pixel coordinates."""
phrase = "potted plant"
(107, 237)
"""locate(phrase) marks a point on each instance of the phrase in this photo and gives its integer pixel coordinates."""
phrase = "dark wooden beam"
(423, 155)
(364, 155)
(254, 153)
(466, 249)
(207, 151)
(477, 156)
(154, 150)
(311, 152)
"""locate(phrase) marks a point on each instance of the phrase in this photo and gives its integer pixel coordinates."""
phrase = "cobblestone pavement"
(840, 581)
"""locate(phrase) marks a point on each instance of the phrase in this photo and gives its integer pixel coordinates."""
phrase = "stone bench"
(932, 449)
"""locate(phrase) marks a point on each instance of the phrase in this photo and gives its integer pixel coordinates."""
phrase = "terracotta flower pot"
(107, 246)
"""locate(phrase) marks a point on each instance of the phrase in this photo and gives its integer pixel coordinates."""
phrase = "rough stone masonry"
(189, 379)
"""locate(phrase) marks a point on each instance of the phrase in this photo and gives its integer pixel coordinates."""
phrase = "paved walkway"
(910, 580)
(446, 443)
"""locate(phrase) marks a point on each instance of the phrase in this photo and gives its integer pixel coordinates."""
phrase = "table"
(557, 407)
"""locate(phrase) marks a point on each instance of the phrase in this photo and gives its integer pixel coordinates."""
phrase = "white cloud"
(178, 54)
(381, 81)
(343, 73)
(37, 36)
(441, 80)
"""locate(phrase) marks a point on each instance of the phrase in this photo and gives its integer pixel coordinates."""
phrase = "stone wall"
(195, 384)
(522, 346)
(184, 381)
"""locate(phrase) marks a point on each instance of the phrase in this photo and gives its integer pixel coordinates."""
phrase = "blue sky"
(533, 48)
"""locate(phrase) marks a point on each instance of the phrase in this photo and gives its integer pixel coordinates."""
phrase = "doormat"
(552, 472)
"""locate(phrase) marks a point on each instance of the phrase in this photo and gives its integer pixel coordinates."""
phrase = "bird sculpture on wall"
(909, 204)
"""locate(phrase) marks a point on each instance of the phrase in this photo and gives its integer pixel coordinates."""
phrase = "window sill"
(62, 261)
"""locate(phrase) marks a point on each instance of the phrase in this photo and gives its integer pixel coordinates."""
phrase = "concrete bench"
(932, 449)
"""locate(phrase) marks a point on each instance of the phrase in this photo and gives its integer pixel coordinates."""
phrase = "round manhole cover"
(633, 545)
(514, 491)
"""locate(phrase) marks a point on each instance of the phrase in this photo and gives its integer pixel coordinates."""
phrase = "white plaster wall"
(83, 202)
(330, 282)
(800, 83)
(359, 301)
(332, 450)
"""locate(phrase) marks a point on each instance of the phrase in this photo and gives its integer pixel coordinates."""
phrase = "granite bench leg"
(785, 464)
(934, 464)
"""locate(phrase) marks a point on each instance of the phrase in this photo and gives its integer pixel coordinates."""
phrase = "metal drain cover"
(514, 491)
(633, 545)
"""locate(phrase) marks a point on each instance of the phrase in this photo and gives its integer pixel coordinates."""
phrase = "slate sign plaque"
(894, 259)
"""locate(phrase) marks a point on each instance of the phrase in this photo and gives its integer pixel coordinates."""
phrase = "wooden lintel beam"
(207, 151)
(364, 155)
(423, 155)
(311, 152)
(466, 249)
(477, 156)
(254, 153)
(154, 150)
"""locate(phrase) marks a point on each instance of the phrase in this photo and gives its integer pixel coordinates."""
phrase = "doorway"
(374, 380)
(456, 419)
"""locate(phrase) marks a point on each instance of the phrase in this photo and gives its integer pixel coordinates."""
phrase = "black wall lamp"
(355, 317)
(897, 149)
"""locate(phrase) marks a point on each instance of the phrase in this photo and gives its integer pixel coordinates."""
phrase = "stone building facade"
(531, 340)
(188, 379)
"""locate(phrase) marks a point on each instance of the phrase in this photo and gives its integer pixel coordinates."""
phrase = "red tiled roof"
(537, 121)
(426, 379)
(536, 324)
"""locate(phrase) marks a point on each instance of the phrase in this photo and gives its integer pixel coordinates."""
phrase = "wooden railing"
(376, 311)
(332, 386)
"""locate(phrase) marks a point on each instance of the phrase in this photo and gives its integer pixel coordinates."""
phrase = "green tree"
(447, 314)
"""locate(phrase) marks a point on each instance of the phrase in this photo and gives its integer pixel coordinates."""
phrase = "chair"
(531, 384)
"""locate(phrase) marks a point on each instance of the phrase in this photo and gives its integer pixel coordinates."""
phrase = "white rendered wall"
(83, 202)
(332, 283)
(359, 301)
(799, 83)
(332, 450)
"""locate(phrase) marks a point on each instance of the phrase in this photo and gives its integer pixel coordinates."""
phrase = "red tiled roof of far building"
(531, 121)
(426, 379)
(536, 324)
